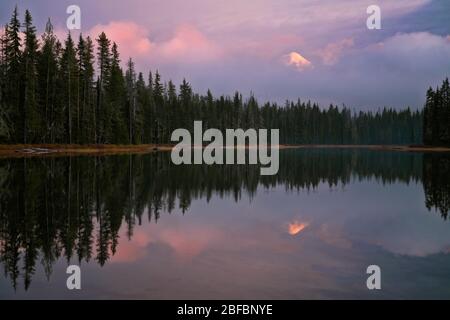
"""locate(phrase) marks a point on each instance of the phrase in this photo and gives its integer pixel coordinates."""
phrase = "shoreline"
(379, 147)
(40, 150)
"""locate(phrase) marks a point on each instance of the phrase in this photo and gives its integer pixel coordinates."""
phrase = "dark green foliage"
(436, 182)
(47, 92)
(116, 100)
(28, 101)
(69, 78)
(436, 125)
(103, 110)
(54, 94)
(86, 98)
(12, 89)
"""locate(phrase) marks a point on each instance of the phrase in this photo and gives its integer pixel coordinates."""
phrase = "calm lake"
(143, 228)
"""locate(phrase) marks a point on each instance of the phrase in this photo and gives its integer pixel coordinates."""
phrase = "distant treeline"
(436, 128)
(77, 92)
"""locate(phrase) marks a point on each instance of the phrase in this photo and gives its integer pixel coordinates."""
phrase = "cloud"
(264, 48)
(185, 242)
(131, 250)
(394, 72)
(127, 252)
(332, 52)
(188, 44)
(188, 244)
(418, 52)
(333, 236)
(133, 39)
(290, 14)
(297, 60)
(250, 44)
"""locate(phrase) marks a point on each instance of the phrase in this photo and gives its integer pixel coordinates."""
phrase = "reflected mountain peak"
(296, 227)
(79, 207)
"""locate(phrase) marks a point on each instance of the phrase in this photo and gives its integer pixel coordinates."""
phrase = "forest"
(76, 92)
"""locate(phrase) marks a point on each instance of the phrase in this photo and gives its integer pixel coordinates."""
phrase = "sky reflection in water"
(275, 242)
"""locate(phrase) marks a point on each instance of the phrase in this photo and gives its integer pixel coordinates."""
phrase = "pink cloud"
(132, 39)
(127, 252)
(131, 250)
(332, 52)
(186, 243)
(188, 43)
(61, 34)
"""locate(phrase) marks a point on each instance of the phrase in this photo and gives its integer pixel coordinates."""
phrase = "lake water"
(143, 228)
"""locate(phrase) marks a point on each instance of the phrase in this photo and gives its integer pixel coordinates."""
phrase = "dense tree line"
(436, 127)
(77, 92)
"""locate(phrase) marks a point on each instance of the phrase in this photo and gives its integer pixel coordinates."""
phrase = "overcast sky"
(277, 49)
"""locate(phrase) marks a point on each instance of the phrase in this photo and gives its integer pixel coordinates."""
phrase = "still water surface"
(143, 228)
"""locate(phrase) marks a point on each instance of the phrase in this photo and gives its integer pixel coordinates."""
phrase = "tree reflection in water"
(74, 207)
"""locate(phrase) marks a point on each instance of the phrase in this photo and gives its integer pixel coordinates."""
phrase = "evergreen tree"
(444, 115)
(436, 116)
(29, 101)
(47, 74)
(103, 113)
(186, 106)
(149, 113)
(142, 102)
(116, 94)
(13, 54)
(4, 121)
(130, 79)
(158, 98)
(85, 102)
(69, 80)
(172, 108)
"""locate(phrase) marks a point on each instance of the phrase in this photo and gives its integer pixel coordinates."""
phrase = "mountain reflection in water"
(91, 210)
